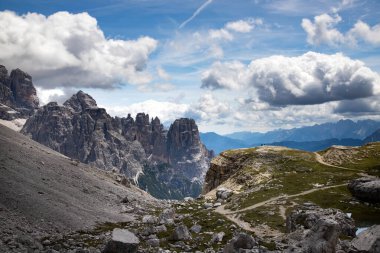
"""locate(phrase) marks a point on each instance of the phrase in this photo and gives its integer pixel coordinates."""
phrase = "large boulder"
(240, 242)
(167, 216)
(367, 241)
(181, 233)
(123, 241)
(366, 189)
(223, 193)
(322, 238)
(307, 216)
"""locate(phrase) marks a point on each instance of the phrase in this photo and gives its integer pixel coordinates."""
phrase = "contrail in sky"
(196, 13)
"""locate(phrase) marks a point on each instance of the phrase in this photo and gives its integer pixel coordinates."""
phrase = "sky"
(242, 65)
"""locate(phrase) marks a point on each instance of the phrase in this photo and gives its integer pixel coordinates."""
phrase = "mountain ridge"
(83, 131)
(288, 138)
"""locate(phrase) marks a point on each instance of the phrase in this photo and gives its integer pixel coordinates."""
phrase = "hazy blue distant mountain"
(219, 143)
(318, 145)
(375, 136)
(343, 129)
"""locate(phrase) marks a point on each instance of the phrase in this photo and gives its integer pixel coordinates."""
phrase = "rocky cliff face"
(222, 167)
(81, 130)
(17, 92)
(186, 150)
(136, 147)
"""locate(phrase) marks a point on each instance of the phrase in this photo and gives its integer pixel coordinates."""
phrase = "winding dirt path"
(234, 216)
(223, 211)
(319, 159)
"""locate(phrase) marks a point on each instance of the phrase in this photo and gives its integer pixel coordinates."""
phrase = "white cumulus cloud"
(208, 108)
(362, 31)
(311, 78)
(230, 75)
(243, 26)
(163, 74)
(323, 31)
(70, 50)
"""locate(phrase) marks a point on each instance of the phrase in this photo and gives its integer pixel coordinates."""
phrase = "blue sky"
(232, 65)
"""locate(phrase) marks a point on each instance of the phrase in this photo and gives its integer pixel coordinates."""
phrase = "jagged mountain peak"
(81, 101)
(17, 91)
(81, 130)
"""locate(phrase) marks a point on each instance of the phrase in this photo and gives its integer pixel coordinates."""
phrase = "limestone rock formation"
(17, 91)
(169, 164)
(23, 90)
(366, 189)
(81, 130)
(221, 168)
(186, 149)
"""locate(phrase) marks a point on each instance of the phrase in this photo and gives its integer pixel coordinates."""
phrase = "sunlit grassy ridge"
(286, 175)
(366, 157)
(286, 172)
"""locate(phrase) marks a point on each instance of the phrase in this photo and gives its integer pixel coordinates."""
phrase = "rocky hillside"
(43, 193)
(137, 147)
(18, 97)
(264, 190)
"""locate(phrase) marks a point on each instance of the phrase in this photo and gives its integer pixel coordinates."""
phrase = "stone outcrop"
(314, 229)
(170, 163)
(242, 242)
(322, 237)
(181, 233)
(307, 216)
(17, 91)
(149, 133)
(222, 167)
(123, 241)
(367, 241)
(366, 189)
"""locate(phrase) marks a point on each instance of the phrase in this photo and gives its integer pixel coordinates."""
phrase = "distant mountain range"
(218, 143)
(310, 138)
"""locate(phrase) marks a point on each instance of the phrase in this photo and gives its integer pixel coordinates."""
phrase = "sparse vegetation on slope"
(272, 181)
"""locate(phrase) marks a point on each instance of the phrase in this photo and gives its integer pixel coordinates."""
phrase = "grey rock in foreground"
(323, 237)
(367, 241)
(223, 193)
(123, 241)
(307, 216)
(366, 189)
(239, 243)
(181, 233)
